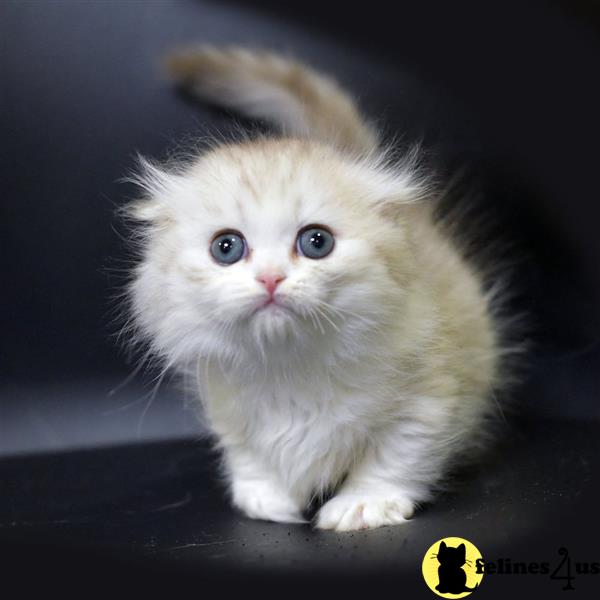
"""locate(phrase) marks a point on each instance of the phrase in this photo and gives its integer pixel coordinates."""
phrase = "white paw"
(349, 512)
(263, 500)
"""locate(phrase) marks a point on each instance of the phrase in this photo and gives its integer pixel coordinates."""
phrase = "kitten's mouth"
(271, 305)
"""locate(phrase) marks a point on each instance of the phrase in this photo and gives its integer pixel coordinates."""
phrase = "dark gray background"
(506, 91)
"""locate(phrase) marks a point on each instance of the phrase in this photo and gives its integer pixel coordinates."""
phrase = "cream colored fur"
(378, 373)
(267, 86)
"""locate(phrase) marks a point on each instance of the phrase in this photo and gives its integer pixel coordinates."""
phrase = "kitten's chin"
(273, 323)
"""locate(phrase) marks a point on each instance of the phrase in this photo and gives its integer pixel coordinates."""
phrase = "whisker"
(324, 315)
(339, 310)
(306, 313)
(315, 316)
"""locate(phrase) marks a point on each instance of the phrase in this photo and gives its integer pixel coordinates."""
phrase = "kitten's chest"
(278, 411)
(308, 433)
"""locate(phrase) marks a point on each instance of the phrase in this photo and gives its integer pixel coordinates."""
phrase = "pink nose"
(270, 281)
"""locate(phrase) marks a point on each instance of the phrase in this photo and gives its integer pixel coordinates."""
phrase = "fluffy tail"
(266, 86)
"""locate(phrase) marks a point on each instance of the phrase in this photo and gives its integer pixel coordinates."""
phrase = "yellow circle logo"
(450, 568)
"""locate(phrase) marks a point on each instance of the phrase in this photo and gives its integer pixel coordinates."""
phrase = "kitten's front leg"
(386, 485)
(257, 492)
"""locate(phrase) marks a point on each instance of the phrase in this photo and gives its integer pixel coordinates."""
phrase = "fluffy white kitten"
(339, 341)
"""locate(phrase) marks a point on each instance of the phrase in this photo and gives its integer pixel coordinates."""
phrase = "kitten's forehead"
(272, 183)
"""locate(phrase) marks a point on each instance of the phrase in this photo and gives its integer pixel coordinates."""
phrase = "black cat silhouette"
(451, 574)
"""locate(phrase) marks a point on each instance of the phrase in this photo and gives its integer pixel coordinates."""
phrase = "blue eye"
(228, 247)
(315, 242)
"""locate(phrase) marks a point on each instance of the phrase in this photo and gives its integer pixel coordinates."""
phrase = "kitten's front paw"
(263, 500)
(349, 512)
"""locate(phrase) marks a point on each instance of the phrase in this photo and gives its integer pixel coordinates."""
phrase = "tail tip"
(179, 64)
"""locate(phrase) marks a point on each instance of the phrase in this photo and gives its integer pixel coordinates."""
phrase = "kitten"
(339, 342)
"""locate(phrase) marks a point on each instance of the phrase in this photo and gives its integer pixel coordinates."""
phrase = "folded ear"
(393, 204)
(400, 182)
(157, 185)
(399, 191)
